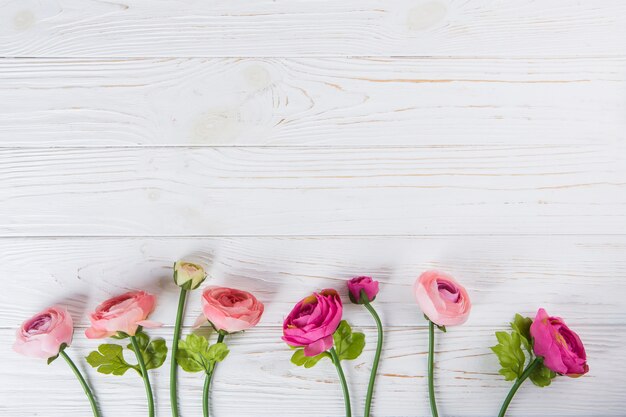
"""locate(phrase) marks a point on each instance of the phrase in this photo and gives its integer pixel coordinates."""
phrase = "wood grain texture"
(257, 379)
(304, 28)
(322, 102)
(293, 144)
(313, 191)
(570, 275)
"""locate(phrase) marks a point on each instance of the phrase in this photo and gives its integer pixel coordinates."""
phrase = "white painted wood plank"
(298, 28)
(330, 102)
(580, 277)
(257, 379)
(313, 191)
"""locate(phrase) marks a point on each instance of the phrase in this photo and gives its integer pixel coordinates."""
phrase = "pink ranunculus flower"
(443, 300)
(313, 321)
(561, 349)
(43, 335)
(367, 284)
(124, 313)
(230, 310)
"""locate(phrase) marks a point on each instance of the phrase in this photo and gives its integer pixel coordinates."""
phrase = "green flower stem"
(431, 366)
(92, 400)
(173, 364)
(342, 379)
(529, 369)
(205, 394)
(144, 374)
(207, 382)
(379, 348)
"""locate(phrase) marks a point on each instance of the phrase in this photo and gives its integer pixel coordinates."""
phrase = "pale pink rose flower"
(443, 300)
(230, 310)
(42, 335)
(124, 313)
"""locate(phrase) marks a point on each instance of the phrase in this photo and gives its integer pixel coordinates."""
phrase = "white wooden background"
(292, 144)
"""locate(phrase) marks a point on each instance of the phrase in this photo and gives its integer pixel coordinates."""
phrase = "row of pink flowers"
(311, 325)
(445, 302)
(227, 309)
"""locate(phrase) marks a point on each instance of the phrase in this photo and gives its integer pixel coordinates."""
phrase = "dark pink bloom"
(367, 284)
(561, 349)
(313, 321)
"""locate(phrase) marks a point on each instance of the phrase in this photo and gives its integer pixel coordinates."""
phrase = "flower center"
(448, 291)
(40, 324)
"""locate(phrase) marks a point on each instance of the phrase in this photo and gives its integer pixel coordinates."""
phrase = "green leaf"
(189, 361)
(521, 325)
(109, 359)
(195, 354)
(348, 345)
(510, 354)
(153, 352)
(299, 359)
(541, 376)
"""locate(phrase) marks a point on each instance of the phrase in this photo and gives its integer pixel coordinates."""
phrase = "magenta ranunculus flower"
(229, 309)
(561, 349)
(42, 335)
(367, 284)
(124, 313)
(443, 300)
(313, 321)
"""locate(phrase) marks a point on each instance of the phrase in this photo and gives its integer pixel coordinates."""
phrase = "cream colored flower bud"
(188, 275)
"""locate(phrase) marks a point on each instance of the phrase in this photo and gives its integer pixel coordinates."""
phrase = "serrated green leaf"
(153, 352)
(109, 359)
(541, 376)
(508, 374)
(510, 354)
(189, 361)
(217, 352)
(521, 325)
(299, 359)
(348, 345)
(195, 354)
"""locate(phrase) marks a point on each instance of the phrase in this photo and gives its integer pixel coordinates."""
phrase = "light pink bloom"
(443, 300)
(313, 321)
(229, 309)
(561, 349)
(367, 284)
(124, 313)
(42, 335)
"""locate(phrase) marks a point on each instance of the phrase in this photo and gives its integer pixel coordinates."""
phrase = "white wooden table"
(293, 144)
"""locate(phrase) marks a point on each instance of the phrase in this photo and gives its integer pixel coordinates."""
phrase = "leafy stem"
(82, 381)
(342, 379)
(174, 364)
(379, 347)
(529, 370)
(431, 366)
(207, 382)
(144, 374)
